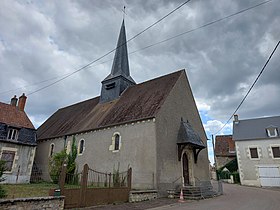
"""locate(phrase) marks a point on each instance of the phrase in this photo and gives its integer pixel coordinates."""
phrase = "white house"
(257, 144)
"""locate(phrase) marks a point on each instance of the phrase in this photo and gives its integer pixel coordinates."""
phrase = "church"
(153, 127)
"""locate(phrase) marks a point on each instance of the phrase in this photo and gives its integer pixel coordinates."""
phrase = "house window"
(8, 157)
(51, 150)
(117, 142)
(81, 146)
(275, 151)
(254, 153)
(272, 132)
(12, 134)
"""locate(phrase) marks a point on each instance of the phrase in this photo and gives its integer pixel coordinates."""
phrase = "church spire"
(119, 78)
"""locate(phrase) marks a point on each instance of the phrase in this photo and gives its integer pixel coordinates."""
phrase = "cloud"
(40, 40)
(213, 126)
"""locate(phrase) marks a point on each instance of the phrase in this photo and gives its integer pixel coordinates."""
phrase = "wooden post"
(62, 177)
(110, 180)
(129, 177)
(84, 186)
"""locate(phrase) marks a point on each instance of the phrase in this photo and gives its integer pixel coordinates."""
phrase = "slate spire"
(119, 78)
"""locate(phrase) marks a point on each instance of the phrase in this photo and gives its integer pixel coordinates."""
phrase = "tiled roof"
(11, 115)
(187, 135)
(141, 101)
(224, 146)
(254, 128)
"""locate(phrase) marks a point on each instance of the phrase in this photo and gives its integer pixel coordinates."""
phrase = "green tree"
(55, 164)
(3, 192)
(71, 162)
(57, 160)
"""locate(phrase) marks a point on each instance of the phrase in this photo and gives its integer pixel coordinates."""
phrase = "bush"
(55, 164)
(57, 160)
(3, 193)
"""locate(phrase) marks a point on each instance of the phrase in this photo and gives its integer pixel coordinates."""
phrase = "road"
(235, 197)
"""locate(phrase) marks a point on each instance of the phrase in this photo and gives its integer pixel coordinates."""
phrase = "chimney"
(21, 102)
(14, 101)
(236, 121)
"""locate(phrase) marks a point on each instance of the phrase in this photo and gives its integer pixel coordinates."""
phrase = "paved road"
(235, 197)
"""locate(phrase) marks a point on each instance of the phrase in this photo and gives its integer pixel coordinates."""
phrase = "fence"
(91, 187)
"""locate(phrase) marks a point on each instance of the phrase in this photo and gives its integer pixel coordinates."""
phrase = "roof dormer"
(272, 131)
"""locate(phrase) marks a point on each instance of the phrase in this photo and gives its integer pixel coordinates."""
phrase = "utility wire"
(94, 61)
(163, 41)
(263, 68)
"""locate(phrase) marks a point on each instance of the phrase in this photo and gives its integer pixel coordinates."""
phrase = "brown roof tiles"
(11, 115)
(141, 101)
(224, 146)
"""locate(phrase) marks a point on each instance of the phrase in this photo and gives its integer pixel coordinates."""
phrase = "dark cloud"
(40, 40)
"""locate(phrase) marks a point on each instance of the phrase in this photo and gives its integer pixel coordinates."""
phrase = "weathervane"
(123, 10)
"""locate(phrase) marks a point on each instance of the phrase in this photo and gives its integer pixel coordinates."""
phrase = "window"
(51, 150)
(117, 142)
(275, 151)
(272, 131)
(110, 86)
(8, 157)
(81, 146)
(12, 134)
(254, 153)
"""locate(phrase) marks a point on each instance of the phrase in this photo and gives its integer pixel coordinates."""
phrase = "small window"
(81, 146)
(51, 149)
(272, 132)
(12, 134)
(254, 153)
(275, 151)
(117, 142)
(8, 157)
(110, 86)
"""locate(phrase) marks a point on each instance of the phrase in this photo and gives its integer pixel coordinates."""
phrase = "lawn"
(28, 190)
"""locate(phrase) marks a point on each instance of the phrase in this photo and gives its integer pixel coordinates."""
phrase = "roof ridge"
(259, 118)
(160, 77)
(79, 102)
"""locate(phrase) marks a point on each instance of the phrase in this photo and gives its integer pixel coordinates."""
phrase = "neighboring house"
(17, 141)
(257, 144)
(224, 150)
(153, 127)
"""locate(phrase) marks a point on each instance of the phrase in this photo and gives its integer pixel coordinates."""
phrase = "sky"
(42, 41)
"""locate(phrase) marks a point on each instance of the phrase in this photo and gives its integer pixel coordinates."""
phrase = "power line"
(263, 68)
(154, 44)
(138, 34)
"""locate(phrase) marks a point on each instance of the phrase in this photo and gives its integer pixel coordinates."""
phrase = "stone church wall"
(137, 150)
(179, 103)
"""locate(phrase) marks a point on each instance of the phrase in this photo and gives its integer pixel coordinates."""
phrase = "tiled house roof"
(254, 128)
(141, 101)
(12, 116)
(224, 146)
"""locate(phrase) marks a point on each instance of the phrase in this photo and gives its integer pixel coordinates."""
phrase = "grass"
(28, 190)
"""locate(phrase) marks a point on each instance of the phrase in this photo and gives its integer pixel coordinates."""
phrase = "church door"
(186, 169)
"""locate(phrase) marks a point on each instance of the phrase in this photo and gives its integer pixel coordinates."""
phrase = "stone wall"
(142, 195)
(42, 203)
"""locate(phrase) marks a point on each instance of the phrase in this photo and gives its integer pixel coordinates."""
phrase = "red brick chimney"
(21, 102)
(14, 101)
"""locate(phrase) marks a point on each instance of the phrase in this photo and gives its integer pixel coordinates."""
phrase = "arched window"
(81, 146)
(117, 142)
(51, 149)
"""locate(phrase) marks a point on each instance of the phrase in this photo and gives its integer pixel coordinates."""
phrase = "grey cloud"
(41, 40)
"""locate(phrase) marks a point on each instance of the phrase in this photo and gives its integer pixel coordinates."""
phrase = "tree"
(57, 160)
(3, 192)
(55, 164)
